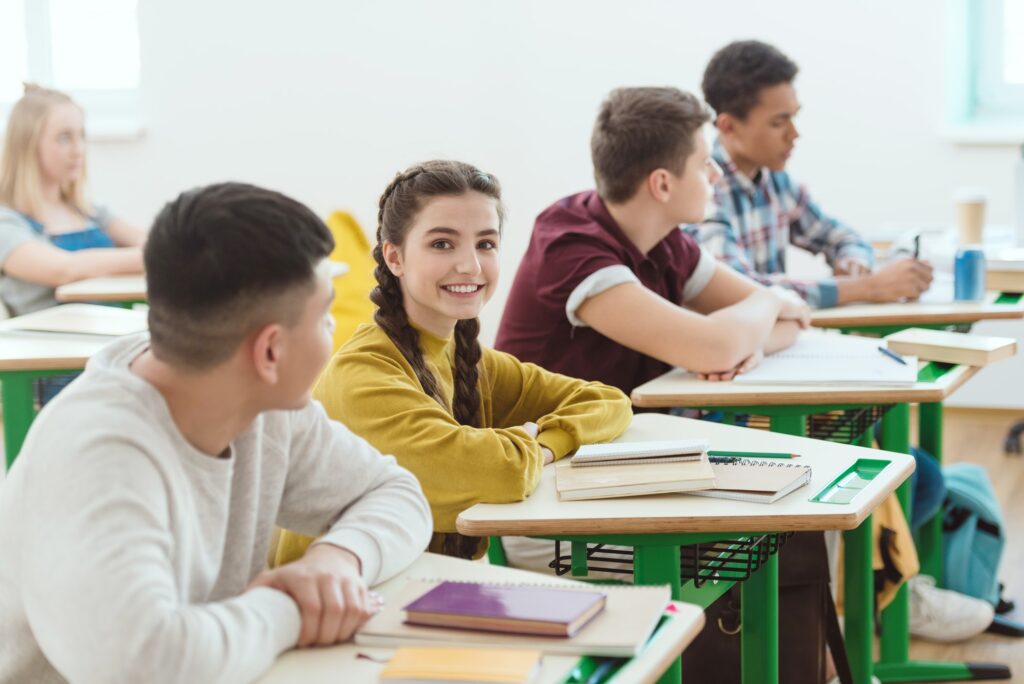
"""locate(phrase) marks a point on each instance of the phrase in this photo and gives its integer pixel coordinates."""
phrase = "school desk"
(657, 526)
(885, 319)
(26, 356)
(126, 290)
(341, 664)
(847, 413)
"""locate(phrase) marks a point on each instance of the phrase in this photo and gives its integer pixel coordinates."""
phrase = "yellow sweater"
(370, 387)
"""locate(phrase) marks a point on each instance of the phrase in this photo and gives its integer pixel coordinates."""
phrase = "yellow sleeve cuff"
(558, 441)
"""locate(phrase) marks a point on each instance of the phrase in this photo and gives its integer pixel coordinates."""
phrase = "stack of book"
(622, 469)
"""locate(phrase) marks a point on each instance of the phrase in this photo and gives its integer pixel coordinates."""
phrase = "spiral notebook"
(620, 630)
(818, 358)
(756, 480)
(646, 452)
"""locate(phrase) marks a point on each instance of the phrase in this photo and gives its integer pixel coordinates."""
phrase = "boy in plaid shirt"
(759, 209)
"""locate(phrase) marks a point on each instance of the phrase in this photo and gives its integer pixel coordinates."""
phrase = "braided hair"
(403, 198)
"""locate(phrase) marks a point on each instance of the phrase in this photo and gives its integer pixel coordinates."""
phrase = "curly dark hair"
(738, 72)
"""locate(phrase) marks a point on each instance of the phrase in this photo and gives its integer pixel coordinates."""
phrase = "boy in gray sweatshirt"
(135, 523)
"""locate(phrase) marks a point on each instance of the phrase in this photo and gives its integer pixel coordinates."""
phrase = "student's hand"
(327, 585)
(902, 279)
(750, 362)
(849, 266)
(532, 429)
(747, 364)
(794, 308)
(548, 456)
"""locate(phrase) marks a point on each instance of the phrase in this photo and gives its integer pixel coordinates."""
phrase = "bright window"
(89, 49)
(998, 47)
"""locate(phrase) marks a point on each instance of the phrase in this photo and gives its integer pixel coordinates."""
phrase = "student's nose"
(469, 263)
(793, 133)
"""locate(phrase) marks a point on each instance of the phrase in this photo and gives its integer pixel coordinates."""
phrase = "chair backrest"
(352, 306)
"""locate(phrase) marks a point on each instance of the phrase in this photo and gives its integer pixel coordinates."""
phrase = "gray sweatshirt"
(126, 551)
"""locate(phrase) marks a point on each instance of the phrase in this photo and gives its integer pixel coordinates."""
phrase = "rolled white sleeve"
(593, 285)
(701, 275)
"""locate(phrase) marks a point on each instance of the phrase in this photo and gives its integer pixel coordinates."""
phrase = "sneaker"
(944, 615)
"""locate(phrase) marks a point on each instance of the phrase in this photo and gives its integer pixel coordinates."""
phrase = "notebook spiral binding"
(757, 462)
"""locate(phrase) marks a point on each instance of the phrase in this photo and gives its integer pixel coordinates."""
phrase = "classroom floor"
(977, 435)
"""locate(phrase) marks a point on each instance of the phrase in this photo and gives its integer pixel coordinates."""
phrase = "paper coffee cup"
(969, 205)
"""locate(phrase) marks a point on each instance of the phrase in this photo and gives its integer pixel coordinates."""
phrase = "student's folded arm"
(568, 411)
(125, 234)
(637, 318)
(341, 489)
(42, 263)
(783, 335)
(100, 591)
(457, 465)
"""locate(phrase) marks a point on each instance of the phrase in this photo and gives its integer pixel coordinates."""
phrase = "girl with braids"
(473, 424)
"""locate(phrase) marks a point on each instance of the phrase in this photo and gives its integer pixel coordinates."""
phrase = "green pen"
(753, 454)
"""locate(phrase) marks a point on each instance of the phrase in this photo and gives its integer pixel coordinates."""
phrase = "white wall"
(326, 100)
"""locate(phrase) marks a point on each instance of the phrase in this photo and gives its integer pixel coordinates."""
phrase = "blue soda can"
(969, 275)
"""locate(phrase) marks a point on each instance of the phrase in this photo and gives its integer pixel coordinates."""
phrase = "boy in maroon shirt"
(610, 289)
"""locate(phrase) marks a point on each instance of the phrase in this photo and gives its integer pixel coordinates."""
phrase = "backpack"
(973, 535)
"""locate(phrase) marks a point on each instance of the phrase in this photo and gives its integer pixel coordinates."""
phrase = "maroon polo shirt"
(572, 239)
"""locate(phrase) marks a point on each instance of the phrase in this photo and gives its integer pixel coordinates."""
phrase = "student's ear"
(266, 353)
(659, 185)
(393, 258)
(726, 123)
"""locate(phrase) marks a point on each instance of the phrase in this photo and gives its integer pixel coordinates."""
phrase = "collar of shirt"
(731, 173)
(658, 256)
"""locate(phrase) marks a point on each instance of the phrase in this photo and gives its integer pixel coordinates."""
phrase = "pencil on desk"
(752, 454)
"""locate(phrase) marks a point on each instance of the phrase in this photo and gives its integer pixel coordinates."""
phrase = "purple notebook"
(506, 608)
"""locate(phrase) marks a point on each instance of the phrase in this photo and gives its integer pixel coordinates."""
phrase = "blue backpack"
(973, 533)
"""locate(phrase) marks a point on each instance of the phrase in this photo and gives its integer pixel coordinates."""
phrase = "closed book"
(614, 481)
(502, 608)
(86, 319)
(626, 453)
(952, 347)
(756, 480)
(620, 630)
(411, 665)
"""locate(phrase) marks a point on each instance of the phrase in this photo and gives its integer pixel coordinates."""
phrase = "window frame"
(113, 114)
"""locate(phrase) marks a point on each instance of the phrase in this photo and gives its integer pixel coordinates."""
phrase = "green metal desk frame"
(656, 561)
(19, 404)
(894, 664)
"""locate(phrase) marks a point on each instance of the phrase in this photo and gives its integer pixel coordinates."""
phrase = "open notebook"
(819, 358)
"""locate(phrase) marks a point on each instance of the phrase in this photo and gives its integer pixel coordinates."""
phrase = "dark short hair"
(639, 130)
(223, 260)
(737, 73)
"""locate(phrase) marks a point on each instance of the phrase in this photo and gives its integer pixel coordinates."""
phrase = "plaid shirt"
(754, 220)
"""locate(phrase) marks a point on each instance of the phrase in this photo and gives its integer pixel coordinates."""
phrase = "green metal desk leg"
(895, 646)
(929, 537)
(894, 664)
(794, 424)
(859, 600)
(660, 565)
(759, 611)
(19, 411)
